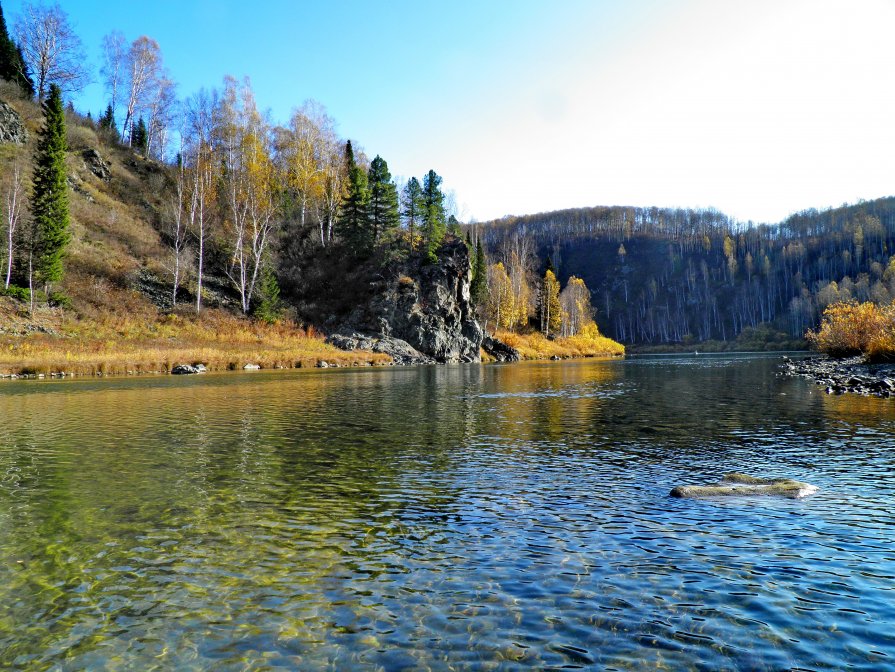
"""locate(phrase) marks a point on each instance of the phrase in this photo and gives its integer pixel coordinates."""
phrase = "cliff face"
(426, 305)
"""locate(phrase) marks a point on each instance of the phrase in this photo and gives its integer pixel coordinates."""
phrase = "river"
(496, 517)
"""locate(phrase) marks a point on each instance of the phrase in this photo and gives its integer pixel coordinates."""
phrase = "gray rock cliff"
(11, 127)
(427, 306)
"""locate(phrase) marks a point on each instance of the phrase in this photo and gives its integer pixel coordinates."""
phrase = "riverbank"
(56, 344)
(838, 376)
(536, 346)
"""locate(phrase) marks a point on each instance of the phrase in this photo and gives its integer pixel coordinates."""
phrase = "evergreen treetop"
(352, 223)
(413, 205)
(12, 61)
(383, 209)
(433, 214)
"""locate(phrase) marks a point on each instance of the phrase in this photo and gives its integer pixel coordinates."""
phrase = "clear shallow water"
(465, 517)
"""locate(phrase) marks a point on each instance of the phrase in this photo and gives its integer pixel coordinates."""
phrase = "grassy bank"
(55, 342)
(587, 344)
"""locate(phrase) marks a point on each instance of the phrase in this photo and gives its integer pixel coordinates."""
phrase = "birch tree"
(114, 54)
(52, 50)
(250, 186)
(143, 72)
(14, 198)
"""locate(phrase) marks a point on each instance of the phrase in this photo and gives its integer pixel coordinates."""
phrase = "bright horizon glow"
(758, 109)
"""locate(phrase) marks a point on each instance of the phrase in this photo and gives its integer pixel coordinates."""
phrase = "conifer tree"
(107, 120)
(383, 210)
(413, 205)
(269, 308)
(352, 223)
(12, 62)
(140, 136)
(433, 214)
(453, 226)
(49, 200)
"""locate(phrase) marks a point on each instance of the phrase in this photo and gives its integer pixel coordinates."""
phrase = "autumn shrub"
(850, 328)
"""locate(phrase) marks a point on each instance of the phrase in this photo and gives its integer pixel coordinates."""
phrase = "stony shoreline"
(851, 374)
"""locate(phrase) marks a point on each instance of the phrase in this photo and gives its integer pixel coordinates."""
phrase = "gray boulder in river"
(736, 484)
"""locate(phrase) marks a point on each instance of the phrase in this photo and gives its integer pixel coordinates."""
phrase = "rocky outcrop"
(500, 351)
(851, 374)
(400, 351)
(425, 306)
(744, 485)
(96, 164)
(11, 127)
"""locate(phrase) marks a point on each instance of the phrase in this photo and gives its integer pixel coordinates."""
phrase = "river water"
(495, 517)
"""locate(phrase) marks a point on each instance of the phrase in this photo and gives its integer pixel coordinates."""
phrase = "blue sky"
(757, 108)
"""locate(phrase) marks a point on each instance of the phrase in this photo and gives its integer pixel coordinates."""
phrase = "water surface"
(459, 517)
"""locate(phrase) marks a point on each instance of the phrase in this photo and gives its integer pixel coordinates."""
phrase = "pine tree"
(433, 214)
(549, 306)
(383, 210)
(107, 120)
(139, 136)
(49, 200)
(12, 62)
(270, 307)
(413, 205)
(453, 226)
(352, 223)
(479, 287)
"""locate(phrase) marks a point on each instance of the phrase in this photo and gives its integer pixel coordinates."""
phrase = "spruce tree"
(433, 214)
(270, 307)
(383, 209)
(107, 120)
(413, 205)
(49, 199)
(12, 62)
(352, 223)
(139, 136)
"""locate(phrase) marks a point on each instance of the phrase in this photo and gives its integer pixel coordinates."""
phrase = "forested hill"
(675, 276)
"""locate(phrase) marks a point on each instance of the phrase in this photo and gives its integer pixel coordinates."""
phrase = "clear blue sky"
(757, 108)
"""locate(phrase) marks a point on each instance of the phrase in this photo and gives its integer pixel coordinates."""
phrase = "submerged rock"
(736, 484)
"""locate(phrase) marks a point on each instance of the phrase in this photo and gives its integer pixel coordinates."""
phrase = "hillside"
(672, 276)
(114, 311)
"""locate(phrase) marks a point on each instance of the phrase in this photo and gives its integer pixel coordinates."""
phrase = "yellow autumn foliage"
(851, 328)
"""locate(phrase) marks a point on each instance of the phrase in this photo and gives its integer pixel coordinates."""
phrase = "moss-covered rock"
(736, 484)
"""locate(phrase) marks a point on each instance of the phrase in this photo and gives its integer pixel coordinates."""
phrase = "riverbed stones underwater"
(736, 484)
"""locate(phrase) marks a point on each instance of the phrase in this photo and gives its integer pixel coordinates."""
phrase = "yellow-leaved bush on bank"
(851, 328)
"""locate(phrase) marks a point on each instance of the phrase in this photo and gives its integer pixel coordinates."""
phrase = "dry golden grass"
(589, 343)
(121, 344)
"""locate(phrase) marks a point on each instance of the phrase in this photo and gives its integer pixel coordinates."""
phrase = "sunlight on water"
(465, 517)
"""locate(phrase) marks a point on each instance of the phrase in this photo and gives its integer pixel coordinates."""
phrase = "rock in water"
(500, 351)
(736, 484)
(184, 370)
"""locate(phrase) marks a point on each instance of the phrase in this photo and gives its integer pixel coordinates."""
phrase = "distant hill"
(662, 276)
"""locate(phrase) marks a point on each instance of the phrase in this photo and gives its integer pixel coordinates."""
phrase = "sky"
(758, 109)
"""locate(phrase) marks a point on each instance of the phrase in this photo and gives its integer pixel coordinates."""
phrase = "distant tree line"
(663, 275)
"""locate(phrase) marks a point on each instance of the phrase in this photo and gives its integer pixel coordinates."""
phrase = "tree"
(549, 306)
(352, 224)
(49, 199)
(139, 136)
(383, 206)
(577, 312)
(433, 214)
(270, 307)
(479, 286)
(107, 120)
(113, 68)
(412, 207)
(12, 63)
(251, 185)
(14, 191)
(143, 77)
(51, 49)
